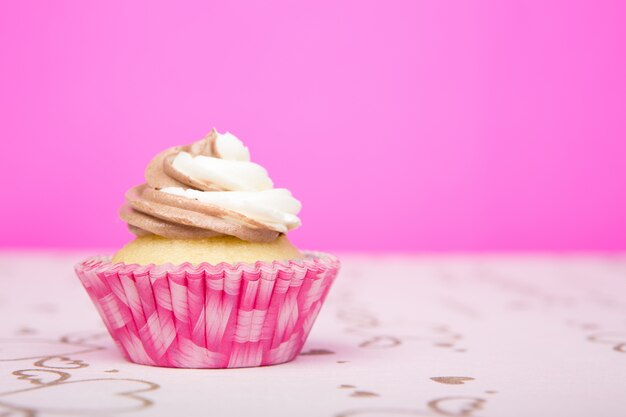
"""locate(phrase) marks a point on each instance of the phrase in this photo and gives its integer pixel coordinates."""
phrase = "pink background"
(400, 125)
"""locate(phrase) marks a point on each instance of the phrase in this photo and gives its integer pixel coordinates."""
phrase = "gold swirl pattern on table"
(54, 375)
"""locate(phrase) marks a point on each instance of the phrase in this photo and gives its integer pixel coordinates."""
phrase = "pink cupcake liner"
(209, 316)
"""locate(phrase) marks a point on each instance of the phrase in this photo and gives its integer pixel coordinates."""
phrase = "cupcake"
(210, 280)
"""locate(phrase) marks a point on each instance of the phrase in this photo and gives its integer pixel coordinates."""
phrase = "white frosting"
(227, 174)
(250, 190)
(229, 147)
(275, 208)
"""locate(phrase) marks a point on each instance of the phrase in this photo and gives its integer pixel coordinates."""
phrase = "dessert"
(211, 279)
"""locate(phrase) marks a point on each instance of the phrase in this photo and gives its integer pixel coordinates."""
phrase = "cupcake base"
(209, 316)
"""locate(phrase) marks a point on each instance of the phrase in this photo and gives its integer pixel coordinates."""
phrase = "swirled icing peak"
(209, 188)
(228, 174)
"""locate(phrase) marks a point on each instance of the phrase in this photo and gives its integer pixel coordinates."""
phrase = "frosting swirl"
(209, 188)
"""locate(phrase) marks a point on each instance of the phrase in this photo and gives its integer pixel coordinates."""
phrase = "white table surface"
(488, 335)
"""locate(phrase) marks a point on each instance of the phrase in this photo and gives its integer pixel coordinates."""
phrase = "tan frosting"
(151, 211)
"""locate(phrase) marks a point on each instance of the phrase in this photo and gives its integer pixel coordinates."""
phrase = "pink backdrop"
(400, 125)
